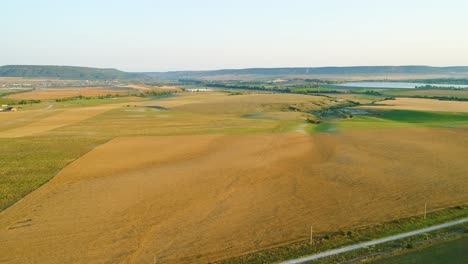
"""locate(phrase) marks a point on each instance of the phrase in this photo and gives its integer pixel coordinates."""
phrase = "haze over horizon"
(207, 35)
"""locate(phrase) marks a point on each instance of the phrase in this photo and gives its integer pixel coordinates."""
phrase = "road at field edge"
(373, 242)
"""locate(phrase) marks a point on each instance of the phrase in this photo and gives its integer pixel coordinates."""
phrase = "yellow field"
(47, 94)
(252, 103)
(189, 112)
(201, 177)
(420, 104)
(189, 199)
(35, 122)
(144, 87)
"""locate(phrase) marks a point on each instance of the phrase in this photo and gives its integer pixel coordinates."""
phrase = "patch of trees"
(455, 81)
(235, 93)
(249, 87)
(153, 93)
(190, 81)
(107, 96)
(318, 89)
(81, 97)
(435, 87)
(368, 92)
(442, 98)
(319, 81)
(25, 102)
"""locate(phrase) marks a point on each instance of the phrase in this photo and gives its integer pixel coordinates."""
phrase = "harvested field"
(203, 113)
(192, 199)
(59, 93)
(56, 119)
(261, 102)
(422, 105)
(12, 120)
(462, 93)
(144, 87)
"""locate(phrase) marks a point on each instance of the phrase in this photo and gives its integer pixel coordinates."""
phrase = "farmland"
(203, 177)
(310, 169)
(423, 105)
(233, 132)
(45, 94)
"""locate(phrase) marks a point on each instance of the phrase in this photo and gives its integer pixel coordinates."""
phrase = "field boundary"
(421, 243)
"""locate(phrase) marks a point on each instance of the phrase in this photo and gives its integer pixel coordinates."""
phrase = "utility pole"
(425, 210)
(311, 235)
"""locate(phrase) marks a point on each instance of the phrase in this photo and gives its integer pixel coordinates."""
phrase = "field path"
(374, 242)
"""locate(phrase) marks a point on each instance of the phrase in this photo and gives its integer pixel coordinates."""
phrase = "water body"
(395, 85)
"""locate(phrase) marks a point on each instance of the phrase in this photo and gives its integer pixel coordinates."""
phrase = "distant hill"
(357, 70)
(63, 72)
(85, 73)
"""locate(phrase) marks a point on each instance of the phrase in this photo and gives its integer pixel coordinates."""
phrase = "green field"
(454, 252)
(380, 119)
(30, 162)
(387, 119)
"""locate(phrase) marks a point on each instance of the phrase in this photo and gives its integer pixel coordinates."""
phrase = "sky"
(144, 35)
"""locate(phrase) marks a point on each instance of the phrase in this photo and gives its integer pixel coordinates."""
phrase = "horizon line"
(227, 69)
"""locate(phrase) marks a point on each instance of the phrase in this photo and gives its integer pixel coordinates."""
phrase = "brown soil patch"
(194, 199)
(422, 105)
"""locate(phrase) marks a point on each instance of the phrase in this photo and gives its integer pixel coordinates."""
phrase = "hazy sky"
(144, 35)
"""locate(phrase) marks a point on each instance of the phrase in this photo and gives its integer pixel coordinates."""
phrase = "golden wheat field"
(420, 104)
(47, 94)
(189, 199)
(145, 87)
(49, 120)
